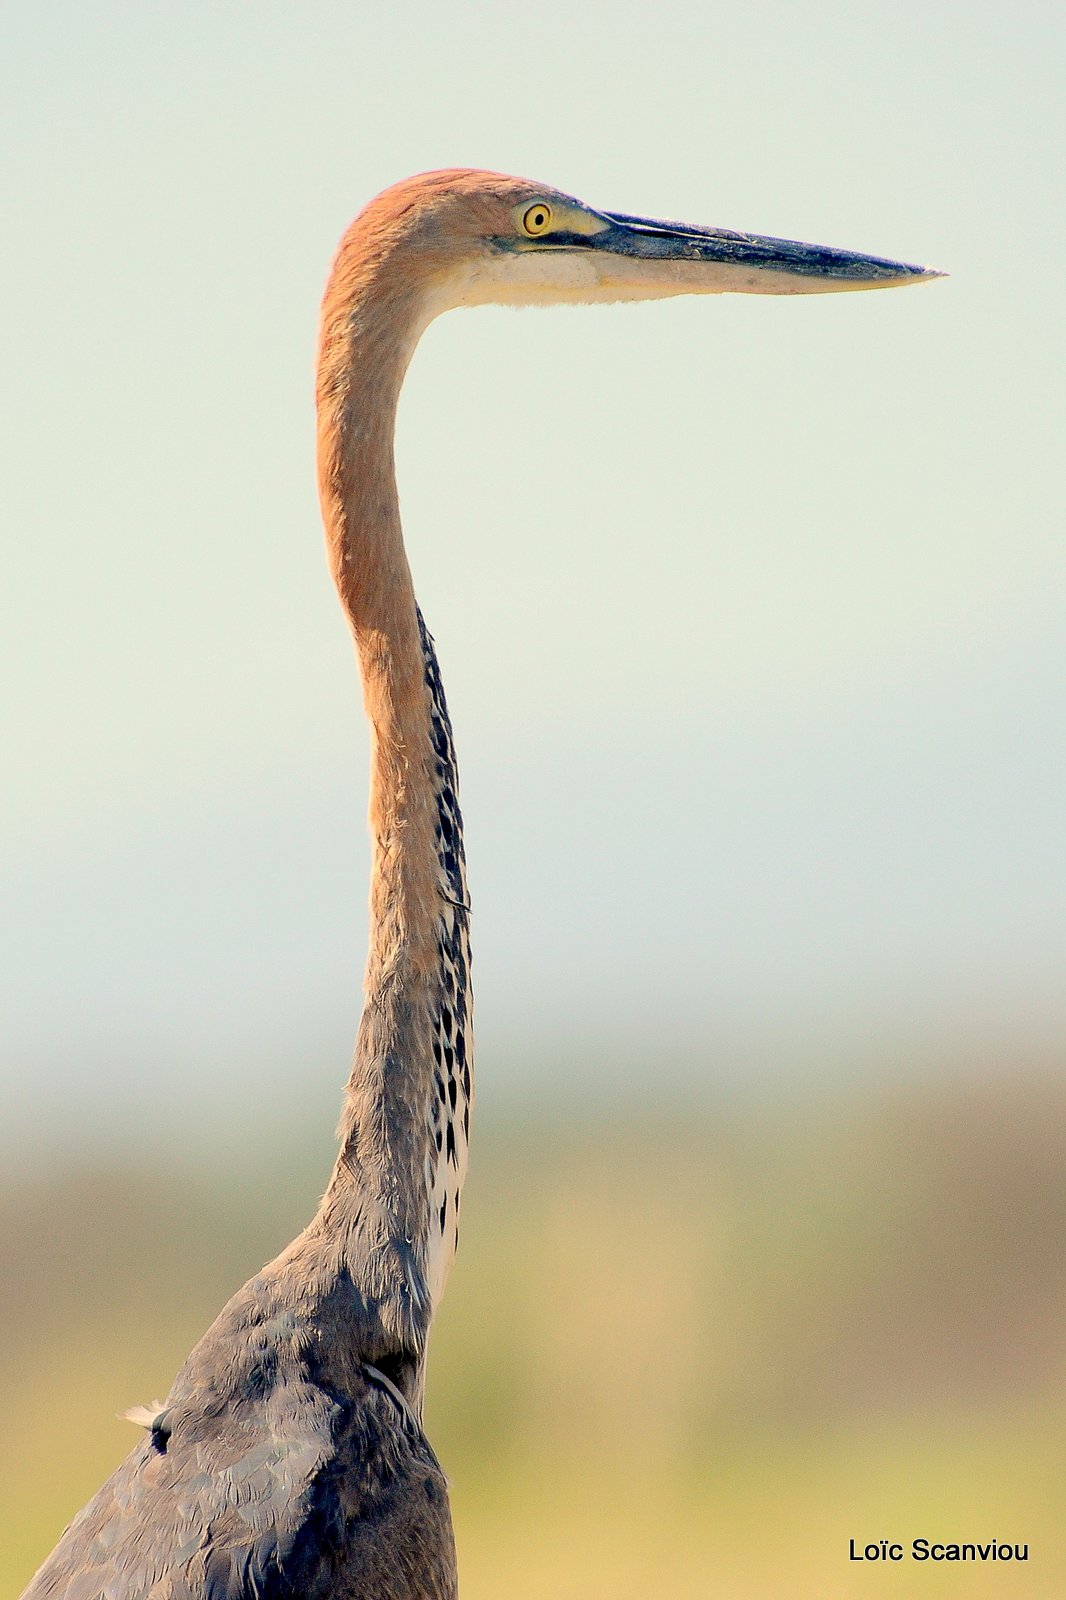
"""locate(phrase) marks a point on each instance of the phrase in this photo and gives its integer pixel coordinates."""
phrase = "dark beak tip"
(923, 275)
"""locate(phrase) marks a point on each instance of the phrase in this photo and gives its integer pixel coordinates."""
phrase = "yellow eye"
(538, 219)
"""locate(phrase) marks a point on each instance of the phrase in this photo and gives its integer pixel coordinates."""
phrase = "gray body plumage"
(281, 1466)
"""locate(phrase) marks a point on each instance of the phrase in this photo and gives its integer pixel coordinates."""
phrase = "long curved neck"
(390, 1214)
(360, 371)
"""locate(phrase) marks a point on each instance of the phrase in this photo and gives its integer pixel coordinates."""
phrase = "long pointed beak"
(718, 260)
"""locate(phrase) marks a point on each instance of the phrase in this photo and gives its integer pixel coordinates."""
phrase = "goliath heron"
(289, 1456)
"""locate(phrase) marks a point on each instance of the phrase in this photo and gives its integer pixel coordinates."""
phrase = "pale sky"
(749, 611)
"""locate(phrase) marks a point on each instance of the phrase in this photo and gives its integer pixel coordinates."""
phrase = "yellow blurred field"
(689, 1358)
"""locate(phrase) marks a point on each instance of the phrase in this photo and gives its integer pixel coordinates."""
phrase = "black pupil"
(538, 219)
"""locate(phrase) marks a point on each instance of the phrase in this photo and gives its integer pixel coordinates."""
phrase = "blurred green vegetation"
(682, 1356)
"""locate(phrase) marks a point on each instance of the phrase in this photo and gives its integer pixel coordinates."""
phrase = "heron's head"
(476, 238)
